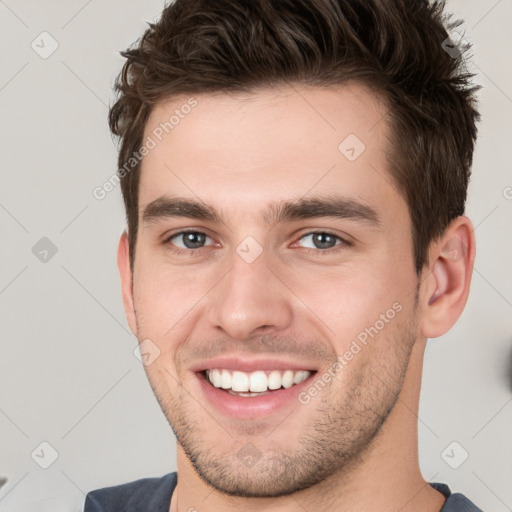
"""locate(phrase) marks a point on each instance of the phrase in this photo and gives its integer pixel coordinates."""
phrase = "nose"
(249, 299)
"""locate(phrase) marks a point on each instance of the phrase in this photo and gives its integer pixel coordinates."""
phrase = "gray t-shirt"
(154, 495)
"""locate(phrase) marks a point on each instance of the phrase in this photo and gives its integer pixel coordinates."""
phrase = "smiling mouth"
(253, 384)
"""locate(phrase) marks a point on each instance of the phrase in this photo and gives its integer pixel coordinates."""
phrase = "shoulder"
(140, 495)
(155, 494)
(455, 502)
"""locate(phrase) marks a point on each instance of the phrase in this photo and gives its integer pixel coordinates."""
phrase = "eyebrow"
(334, 206)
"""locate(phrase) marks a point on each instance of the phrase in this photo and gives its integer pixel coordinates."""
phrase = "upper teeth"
(257, 381)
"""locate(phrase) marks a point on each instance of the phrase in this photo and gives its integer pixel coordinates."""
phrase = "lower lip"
(250, 407)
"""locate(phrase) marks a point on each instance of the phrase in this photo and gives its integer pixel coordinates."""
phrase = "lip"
(251, 364)
(250, 407)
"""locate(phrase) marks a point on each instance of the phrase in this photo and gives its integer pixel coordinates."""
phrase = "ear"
(123, 264)
(446, 287)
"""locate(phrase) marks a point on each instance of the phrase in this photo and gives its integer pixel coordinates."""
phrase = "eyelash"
(315, 252)
(325, 252)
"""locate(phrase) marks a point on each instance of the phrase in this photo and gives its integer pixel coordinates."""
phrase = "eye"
(321, 240)
(189, 239)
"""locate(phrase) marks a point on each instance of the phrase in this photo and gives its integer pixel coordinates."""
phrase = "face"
(273, 282)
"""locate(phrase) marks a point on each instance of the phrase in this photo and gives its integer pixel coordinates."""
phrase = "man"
(294, 175)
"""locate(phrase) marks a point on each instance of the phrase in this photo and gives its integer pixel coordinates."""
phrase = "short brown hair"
(396, 47)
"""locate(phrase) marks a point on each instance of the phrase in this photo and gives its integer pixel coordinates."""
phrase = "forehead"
(246, 150)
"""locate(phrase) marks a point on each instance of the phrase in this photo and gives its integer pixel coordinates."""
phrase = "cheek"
(347, 300)
(166, 298)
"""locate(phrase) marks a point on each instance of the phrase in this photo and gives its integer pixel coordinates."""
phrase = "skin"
(354, 446)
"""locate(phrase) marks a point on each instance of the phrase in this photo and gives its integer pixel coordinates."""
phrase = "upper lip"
(250, 364)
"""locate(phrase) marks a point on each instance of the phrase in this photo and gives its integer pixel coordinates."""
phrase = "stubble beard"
(346, 419)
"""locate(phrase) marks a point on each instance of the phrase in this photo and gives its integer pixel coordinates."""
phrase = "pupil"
(193, 240)
(323, 240)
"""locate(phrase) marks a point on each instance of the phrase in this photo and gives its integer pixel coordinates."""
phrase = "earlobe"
(448, 282)
(125, 273)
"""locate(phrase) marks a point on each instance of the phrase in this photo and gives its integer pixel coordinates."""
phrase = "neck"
(386, 477)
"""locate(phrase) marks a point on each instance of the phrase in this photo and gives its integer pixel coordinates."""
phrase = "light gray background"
(68, 375)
